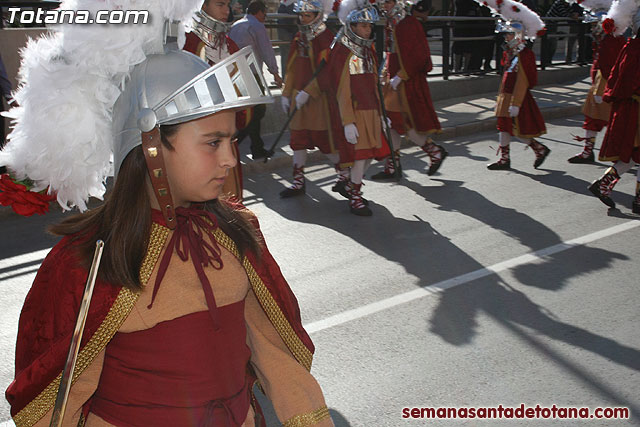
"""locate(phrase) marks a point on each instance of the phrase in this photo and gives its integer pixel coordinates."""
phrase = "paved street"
(468, 288)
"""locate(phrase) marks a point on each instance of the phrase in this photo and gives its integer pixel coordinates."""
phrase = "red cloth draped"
(529, 122)
(623, 84)
(168, 375)
(606, 54)
(51, 307)
(337, 63)
(414, 56)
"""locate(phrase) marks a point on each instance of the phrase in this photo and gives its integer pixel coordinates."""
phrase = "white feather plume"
(621, 12)
(69, 81)
(327, 7)
(512, 11)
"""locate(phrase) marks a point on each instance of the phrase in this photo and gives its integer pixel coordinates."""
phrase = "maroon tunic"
(413, 59)
(621, 142)
(174, 377)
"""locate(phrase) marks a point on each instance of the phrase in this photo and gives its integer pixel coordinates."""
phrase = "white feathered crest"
(69, 81)
(511, 11)
(620, 16)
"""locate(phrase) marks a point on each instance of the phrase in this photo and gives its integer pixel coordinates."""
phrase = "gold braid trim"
(126, 299)
(308, 419)
(269, 305)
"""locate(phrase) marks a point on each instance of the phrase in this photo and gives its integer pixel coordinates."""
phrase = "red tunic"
(168, 373)
(51, 306)
(605, 53)
(518, 79)
(310, 125)
(622, 140)
(412, 61)
(363, 101)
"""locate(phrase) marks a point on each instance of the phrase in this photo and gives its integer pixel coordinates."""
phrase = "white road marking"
(387, 303)
(24, 258)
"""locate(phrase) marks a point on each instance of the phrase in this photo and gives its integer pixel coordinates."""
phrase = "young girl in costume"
(190, 310)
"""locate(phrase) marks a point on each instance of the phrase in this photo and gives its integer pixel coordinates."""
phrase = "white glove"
(286, 104)
(387, 124)
(351, 133)
(514, 111)
(301, 98)
(395, 82)
(598, 99)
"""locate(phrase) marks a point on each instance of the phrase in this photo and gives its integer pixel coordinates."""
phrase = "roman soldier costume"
(606, 48)
(205, 319)
(406, 92)
(209, 41)
(516, 110)
(353, 68)
(311, 124)
(621, 143)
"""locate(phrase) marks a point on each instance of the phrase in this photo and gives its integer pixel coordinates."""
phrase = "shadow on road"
(432, 257)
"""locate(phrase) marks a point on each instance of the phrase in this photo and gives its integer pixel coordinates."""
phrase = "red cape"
(337, 62)
(414, 57)
(49, 314)
(606, 55)
(623, 84)
(529, 121)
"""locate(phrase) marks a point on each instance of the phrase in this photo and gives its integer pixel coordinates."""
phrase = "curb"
(282, 159)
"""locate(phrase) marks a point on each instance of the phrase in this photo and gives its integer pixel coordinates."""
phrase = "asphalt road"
(470, 288)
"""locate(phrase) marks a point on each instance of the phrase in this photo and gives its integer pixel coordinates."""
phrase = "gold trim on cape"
(126, 299)
(269, 305)
(308, 419)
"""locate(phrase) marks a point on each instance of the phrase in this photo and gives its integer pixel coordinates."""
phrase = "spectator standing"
(5, 89)
(286, 34)
(250, 31)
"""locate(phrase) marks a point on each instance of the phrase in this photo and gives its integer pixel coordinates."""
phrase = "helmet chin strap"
(152, 148)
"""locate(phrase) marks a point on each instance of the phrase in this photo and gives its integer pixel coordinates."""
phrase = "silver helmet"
(514, 27)
(176, 87)
(315, 27)
(369, 15)
(396, 13)
(207, 27)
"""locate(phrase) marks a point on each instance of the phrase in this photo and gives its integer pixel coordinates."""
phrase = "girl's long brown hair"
(123, 222)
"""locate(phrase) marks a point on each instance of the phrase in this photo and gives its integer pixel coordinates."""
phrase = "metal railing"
(441, 36)
(441, 29)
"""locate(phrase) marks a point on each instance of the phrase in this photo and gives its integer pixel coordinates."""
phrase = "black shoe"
(497, 166)
(436, 165)
(578, 159)
(635, 206)
(363, 211)
(293, 192)
(260, 153)
(595, 190)
(341, 187)
(541, 159)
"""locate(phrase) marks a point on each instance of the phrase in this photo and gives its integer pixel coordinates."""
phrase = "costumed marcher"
(311, 124)
(407, 98)
(209, 41)
(606, 48)
(516, 110)
(621, 142)
(190, 311)
(354, 73)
